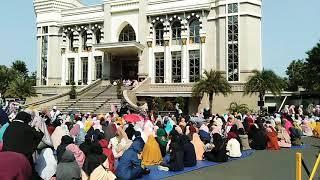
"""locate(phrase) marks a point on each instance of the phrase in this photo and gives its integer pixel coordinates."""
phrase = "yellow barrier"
(298, 166)
(315, 167)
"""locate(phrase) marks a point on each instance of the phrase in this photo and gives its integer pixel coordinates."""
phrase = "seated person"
(129, 166)
(189, 153)
(233, 148)
(151, 154)
(219, 152)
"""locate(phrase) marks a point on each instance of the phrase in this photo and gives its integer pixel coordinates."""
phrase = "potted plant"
(73, 92)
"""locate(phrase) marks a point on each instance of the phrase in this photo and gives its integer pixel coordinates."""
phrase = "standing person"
(21, 138)
(54, 113)
(14, 166)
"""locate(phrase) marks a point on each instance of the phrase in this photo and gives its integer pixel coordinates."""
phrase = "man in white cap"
(54, 113)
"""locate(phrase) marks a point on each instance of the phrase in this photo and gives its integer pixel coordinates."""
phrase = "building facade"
(171, 42)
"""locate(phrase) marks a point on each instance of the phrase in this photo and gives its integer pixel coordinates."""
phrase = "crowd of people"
(51, 145)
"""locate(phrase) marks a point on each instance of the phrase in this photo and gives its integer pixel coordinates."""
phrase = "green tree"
(312, 69)
(21, 87)
(33, 78)
(20, 67)
(6, 76)
(212, 83)
(180, 101)
(263, 81)
(296, 73)
(240, 108)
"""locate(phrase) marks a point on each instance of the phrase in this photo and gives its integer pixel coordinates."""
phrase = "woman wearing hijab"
(65, 141)
(68, 168)
(176, 162)
(21, 138)
(258, 137)
(295, 136)
(78, 154)
(162, 140)
(99, 173)
(108, 152)
(198, 146)
(109, 129)
(14, 166)
(40, 124)
(120, 143)
(284, 140)
(129, 166)
(233, 148)
(46, 164)
(151, 154)
(57, 135)
(130, 131)
(219, 152)
(94, 159)
(189, 153)
(272, 138)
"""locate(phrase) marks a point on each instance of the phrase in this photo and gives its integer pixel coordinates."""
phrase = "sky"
(289, 29)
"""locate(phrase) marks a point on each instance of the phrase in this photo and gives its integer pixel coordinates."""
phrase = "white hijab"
(46, 164)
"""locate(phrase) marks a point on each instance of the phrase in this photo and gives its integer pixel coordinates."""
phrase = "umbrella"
(132, 118)
(197, 119)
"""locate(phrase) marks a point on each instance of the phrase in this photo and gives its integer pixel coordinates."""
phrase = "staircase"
(97, 100)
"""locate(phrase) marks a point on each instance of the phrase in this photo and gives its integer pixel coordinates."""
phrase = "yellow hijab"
(151, 154)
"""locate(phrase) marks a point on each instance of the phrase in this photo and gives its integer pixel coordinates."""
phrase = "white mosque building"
(168, 43)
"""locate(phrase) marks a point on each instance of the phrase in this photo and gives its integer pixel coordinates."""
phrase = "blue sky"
(289, 29)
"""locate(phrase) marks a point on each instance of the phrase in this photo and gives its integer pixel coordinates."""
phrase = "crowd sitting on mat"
(120, 145)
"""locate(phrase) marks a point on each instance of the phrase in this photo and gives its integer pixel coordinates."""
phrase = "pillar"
(203, 53)
(167, 63)
(106, 66)
(90, 67)
(63, 69)
(77, 69)
(184, 63)
(151, 61)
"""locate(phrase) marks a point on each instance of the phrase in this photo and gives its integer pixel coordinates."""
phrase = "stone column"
(202, 53)
(77, 69)
(63, 68)
(184, 58)
(106, 66)
(90, 67)
(167, 61)
(151, 61)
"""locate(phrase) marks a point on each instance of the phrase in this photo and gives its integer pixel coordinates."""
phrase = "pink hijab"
(75, 130)
(198, 146)
(78, 154)
(57, 135)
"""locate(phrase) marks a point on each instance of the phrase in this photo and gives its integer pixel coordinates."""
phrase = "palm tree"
(263, 81)
(240, 108)
(212, 83)
(21, 87)
(20, 67)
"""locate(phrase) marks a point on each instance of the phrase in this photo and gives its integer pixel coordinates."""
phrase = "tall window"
(233, 50)
(98, 60)
(194, 59)
(233, 8)
(98, 36)
(71, 70)
(159, 34)
(176, 32)
(159, 61)
(45, 30)
(194, 35)
(176, 66)
(127, 34)
(84, 38)
(71, 41)
(84, 61)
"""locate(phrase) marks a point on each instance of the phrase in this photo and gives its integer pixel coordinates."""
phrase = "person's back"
(189, 153)
(68, 168)
(21, 138)
(233, 148)
(259, 140)
(14, 166)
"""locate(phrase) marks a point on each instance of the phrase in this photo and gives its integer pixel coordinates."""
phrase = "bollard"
(315, 167)
(298, 166)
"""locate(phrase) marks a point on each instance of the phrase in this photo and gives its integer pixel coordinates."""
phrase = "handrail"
(299, 162)
(81, 91)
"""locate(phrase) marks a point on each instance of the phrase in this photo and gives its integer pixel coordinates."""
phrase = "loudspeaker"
(260, 103)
